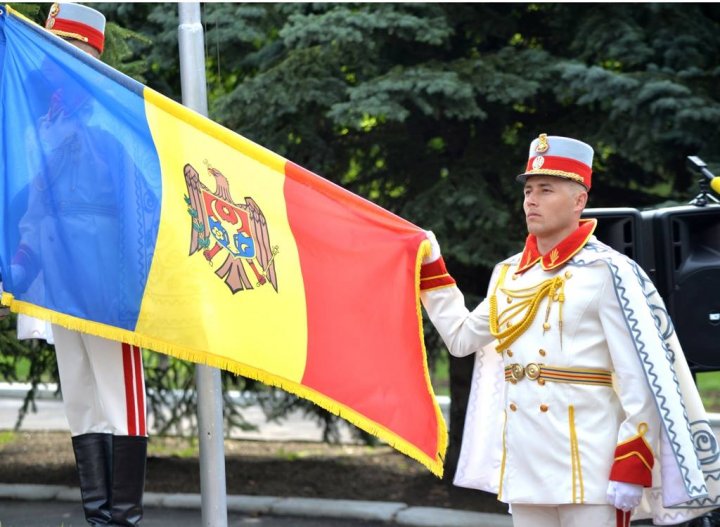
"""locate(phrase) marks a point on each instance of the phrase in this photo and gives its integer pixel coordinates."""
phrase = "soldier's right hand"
(624, 496)
(434, 249)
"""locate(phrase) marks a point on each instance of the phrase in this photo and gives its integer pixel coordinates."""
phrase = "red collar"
(559, 254)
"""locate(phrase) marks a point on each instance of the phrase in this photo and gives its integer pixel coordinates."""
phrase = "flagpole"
(209, 389)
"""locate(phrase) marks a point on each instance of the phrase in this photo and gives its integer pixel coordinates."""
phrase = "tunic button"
(513, 407)
(542, 352)
(541, 382)
(546, 326)
(509, 352)
(514, 277)
(568, 274)
(543, 408)
(509, 300)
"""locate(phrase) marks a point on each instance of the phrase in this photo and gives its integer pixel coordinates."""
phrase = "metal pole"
(210, 419)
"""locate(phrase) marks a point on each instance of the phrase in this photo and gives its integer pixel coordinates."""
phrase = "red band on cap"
(562, 164)
(95, 38)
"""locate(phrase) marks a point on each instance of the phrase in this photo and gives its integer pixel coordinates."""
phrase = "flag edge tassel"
(434, 464)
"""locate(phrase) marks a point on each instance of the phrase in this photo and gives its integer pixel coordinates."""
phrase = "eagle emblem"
(237, 231)
(543, 144)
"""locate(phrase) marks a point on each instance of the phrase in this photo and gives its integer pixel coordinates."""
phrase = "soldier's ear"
(581, 199)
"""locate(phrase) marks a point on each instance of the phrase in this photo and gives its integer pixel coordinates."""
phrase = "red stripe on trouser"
(622, 518)
(134, 390)
(129, 389)
(139, 386)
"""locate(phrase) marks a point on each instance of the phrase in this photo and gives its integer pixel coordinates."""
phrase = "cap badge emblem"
(542, 145)
(538, 162)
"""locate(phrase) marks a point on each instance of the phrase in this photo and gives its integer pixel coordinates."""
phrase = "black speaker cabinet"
(622, 229)
(686, 243)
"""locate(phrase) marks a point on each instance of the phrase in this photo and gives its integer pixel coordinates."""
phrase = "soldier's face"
(552, 205)
(87, 48)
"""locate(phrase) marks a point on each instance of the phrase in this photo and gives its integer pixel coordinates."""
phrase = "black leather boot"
(129, 454)
(93, 457)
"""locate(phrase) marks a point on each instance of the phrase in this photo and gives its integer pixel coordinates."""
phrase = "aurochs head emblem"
(237, 231)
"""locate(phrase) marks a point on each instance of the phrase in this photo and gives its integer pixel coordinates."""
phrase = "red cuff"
(434, 276)
(633, 462)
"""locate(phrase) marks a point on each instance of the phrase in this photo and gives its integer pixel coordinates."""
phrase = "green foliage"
(119, 52)
(31, 11)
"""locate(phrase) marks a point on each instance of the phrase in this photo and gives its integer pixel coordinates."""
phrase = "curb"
(392, 513)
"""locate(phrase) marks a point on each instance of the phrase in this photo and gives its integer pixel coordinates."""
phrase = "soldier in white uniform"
(563, 421)
(102, 381)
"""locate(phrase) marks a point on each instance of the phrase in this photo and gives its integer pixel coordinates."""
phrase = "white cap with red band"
(79, 22)
(559, 156)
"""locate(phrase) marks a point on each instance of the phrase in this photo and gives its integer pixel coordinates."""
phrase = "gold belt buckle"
(517, 372)
(532, 370)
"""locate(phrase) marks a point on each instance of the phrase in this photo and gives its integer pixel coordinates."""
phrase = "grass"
(171, 446)
(5, 438)
(709, 387)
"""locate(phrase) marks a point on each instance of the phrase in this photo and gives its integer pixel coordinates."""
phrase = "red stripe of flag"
(364, 348)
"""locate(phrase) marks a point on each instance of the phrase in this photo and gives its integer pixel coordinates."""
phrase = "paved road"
(64, 514)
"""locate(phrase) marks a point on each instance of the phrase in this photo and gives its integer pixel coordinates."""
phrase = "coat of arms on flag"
(238, 231)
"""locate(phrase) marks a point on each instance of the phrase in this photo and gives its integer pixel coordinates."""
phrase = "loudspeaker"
(623, 230)
(686, 243)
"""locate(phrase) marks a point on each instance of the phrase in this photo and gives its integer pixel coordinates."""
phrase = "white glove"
(434, 248)
(624, 496)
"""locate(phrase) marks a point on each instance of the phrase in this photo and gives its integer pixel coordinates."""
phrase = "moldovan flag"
(128, 216)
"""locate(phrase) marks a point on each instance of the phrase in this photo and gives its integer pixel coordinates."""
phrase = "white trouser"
(103, 384)
(563, 515)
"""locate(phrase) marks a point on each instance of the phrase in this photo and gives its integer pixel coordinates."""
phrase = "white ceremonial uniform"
(596, 364)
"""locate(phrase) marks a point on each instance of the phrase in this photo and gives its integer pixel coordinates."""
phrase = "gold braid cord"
(526, 304)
